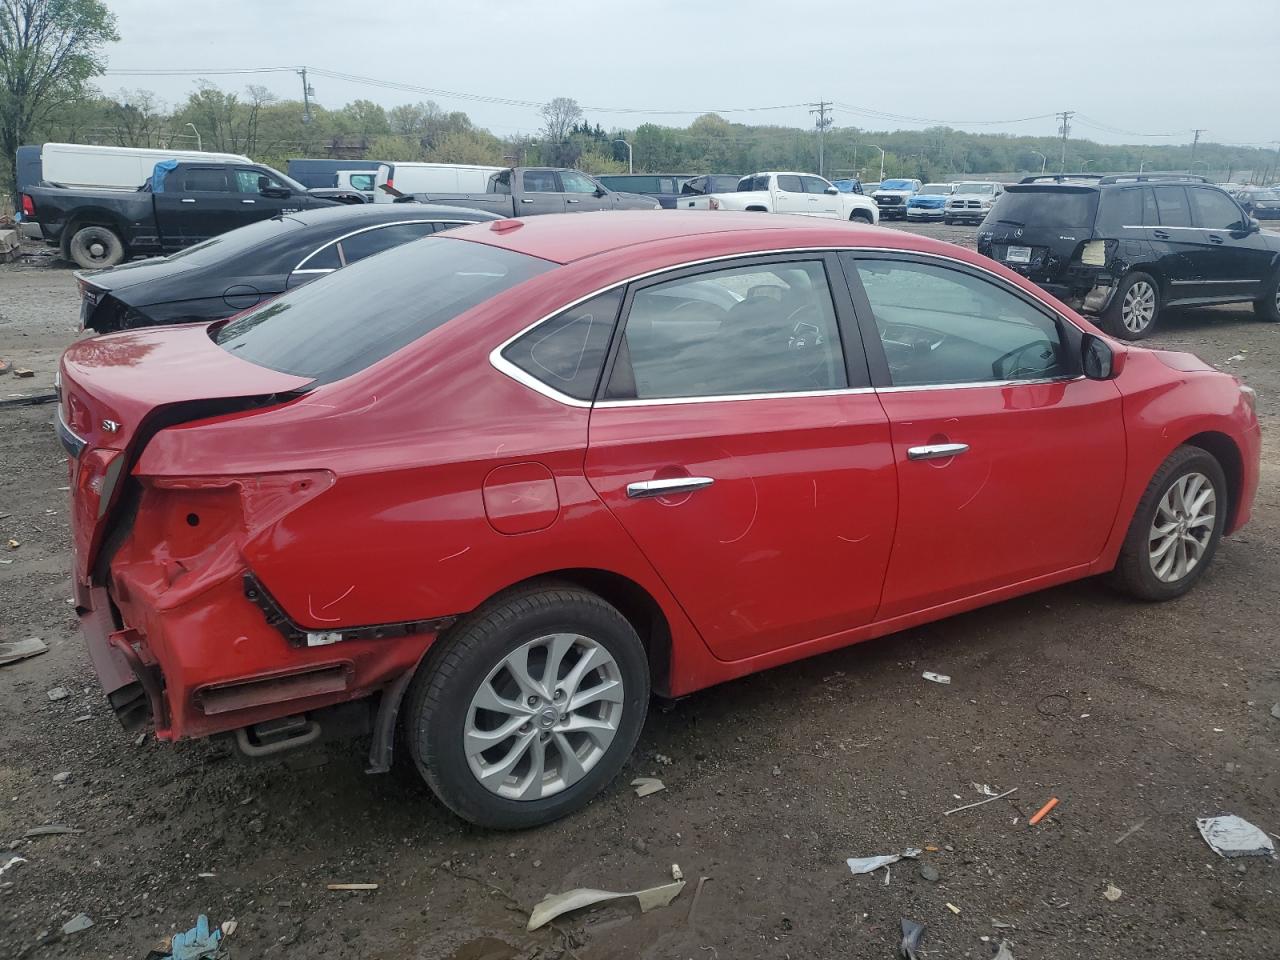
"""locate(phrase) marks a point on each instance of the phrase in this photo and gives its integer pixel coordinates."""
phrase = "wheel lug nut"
(559, 695)
(564, 717)
(526, 727)
(533, 701)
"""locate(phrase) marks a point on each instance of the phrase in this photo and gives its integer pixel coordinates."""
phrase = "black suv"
(1125, 247)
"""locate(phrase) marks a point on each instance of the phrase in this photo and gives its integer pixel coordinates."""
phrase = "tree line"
(50, 52)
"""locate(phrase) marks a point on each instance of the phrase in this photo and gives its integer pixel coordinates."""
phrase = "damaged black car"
(1126, 247)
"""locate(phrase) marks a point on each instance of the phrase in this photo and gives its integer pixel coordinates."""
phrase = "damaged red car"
(498, 487)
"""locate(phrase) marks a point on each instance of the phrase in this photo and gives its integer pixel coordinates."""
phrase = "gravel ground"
(1139, 718)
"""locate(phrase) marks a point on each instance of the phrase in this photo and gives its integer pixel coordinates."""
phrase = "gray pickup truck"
(526, 191)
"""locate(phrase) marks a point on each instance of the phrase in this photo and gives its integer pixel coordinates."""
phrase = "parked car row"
(464, 495)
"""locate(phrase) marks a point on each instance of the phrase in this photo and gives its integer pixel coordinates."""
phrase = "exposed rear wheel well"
(632, 600)
(757, 209)
(1223, 449)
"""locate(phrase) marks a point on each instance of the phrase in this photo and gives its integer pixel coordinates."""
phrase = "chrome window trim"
(376, 226)
(978, 383)
(505, 366)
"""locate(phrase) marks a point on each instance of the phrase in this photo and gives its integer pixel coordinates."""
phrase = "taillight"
(97, 472)
(28, 206)
(391, 184)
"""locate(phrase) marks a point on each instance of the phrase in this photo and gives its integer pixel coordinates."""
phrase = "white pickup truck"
(799, 193)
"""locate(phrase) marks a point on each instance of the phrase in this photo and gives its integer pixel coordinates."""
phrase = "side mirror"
(1252, 226)
(275, 193)
(1098, 359)
(831, 190)
(600, 192)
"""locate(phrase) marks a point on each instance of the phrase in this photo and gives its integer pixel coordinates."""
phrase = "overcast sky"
(1138, 66)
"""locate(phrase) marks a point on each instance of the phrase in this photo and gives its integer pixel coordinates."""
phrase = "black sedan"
(237, 270)
(1261, 204)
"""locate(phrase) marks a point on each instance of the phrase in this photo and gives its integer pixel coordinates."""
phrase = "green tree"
(48, 51)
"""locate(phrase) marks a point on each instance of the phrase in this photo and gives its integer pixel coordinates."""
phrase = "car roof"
(357, 213)
(564, 238)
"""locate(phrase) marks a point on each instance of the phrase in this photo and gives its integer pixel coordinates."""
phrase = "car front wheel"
(1268, 306)
(1135, 307)
(1176, 528)
(530, 707)
(861, 216)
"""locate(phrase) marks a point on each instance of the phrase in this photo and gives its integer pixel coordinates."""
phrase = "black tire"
(440, 698)
(1114, 317)
(1268, 306)
(1134, 573)
(948, 221)
(861, 216)
(94, 247)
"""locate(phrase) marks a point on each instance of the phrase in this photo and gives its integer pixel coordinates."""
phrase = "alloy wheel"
(1139, 307)
(1182, 527)
(543, 717)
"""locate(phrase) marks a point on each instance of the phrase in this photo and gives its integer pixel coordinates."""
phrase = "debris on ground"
(860, 865)
(351, 886)
(1042, 812)
(62, 777)
(1275, 711)
(936, 677)
(201, 941)
(58, 693)
(1130, 832)
(1232, 836)
(662, 758)
(77, 924)
(647, 785)
(1004, 953)
(16, 650)
(14, 544)
(697, 893)
(12, 862)
(50, 830)
(5, 366)
(953, 908)
(23, 373)
(929, 872)
(1112, 892)
(986, 789)
(553, 905)
(911, 934)
(978, 803)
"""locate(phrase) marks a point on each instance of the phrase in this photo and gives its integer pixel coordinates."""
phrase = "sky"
(1130, 69)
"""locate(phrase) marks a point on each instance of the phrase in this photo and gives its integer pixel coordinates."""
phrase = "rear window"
(630, 184)
(1045, 208)
(338, 325)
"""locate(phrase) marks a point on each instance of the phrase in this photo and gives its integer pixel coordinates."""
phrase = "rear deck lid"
(1036, 229)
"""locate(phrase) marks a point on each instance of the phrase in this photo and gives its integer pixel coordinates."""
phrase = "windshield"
(1267, 195)
(342, 323)
(936, 189)
(982, 189)
(897, 185)
(1050, 207)
(237, 241)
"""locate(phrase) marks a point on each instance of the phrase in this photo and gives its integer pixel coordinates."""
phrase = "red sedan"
(503, 484)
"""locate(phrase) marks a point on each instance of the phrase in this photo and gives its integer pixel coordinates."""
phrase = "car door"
(789, 195)
(744, 455)
(1010, 464)
(580, 193)
(195, 204)
(540, 193)
(1231, 260)
(253, 205)
(1172, 238)
(821, 203)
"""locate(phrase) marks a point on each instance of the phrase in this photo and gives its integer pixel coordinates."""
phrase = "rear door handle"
(1214, 238)
(248, 201)
(660, 488)
(1160, 234)
(188, 200)
(936, 451)
(525, 200)
(573, 201)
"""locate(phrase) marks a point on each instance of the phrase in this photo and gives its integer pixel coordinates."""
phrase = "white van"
(407, 178)
(114, 168)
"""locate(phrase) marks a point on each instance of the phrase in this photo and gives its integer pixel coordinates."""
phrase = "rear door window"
(369, 242)
(361, 314)
(1122, 209)
(204, 180)
(567, 352)
(790, 184)
(1171, 202)
(540, 181)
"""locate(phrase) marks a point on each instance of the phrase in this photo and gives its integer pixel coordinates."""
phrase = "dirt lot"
(1139, 718)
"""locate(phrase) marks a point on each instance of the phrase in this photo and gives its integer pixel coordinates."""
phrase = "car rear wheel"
(94, 247)
(529, 707)
(1176, 528)
(1268, 306)
(1134, 308)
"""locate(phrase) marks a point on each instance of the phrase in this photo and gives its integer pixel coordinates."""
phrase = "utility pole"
(823, 121)
(307, 92)
(1064, 128)
(1194, 141)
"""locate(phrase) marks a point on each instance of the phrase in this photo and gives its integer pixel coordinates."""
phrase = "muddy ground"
(1139, 718)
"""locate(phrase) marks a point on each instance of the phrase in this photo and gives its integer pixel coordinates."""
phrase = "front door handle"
(188, 200)
(661, 488)
(573, 201)
(1214, 238)
(1160, 234)
(936, 451)
(248, 201)
(526, 200)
